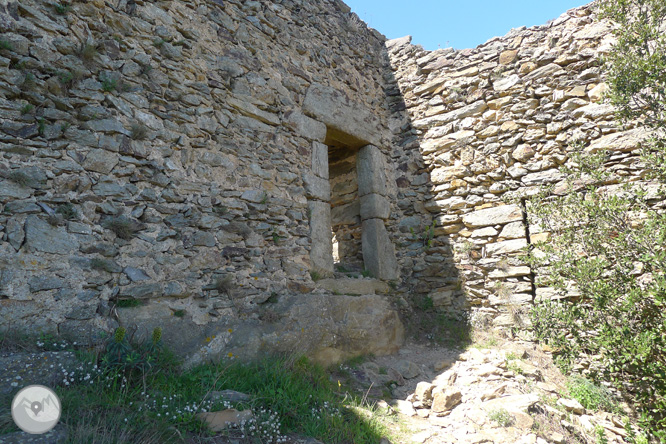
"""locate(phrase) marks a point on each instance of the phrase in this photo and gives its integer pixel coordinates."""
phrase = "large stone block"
(375, 206)
(42, 236)
(327, 328)
(320, 160)
(378, 252)
(371, 170)
(321, 251)
(340, 113)
(493, 216)
(316, 187)
(304, 126)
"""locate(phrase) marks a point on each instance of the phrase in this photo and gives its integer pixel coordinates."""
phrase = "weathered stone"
(445, 400)
(492, 216)
(321, 252)
(509, 272)
(10, 190)
(338, 112)
(371, 168)
(351, 286)
(507, 57)
(506, 83)
(374, 206)
(225, 419)
(320, 160)
(41, 236)
(316, 187)
(378, 252)
(407, 369)
(100, 161)
(523, 153)
(305, 126)
(144, 291)
(571, 405)
(468, 110)
(135, 274)
(623, 141)
(15, 233)
(505, 247)
(423, 393)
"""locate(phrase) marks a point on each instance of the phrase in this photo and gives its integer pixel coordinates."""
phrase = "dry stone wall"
(183, 165)
(164, 164)
(484, 128)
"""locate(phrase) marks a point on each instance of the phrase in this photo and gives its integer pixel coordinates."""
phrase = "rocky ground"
(496, 391)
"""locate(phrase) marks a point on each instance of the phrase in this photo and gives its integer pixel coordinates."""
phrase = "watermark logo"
(36, 409)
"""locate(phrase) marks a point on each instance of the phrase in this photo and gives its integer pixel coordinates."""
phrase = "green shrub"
(128, 303)
(108, 84)
(61, 8)
(591, 396)
(6, 45)
(502, 417)
(27, 108)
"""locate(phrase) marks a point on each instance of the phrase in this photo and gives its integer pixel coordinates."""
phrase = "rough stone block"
(321, 252)
(349, 214)
(316, 187)
(505, 247)
(305, 127)
(41, 236)
(493, 216)
(337, 111)
(375, 206)
(371, 170)
(378, 252)
(320, 160)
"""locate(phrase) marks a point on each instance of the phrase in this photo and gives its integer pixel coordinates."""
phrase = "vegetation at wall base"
(607, 256)
(139, 392)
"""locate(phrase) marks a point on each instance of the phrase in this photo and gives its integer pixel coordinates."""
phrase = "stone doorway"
(348, 208)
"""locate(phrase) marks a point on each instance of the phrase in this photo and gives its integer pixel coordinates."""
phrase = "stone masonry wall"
(483, 128)
(157, 168)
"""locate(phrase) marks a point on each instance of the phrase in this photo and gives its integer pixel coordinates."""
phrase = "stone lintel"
(338, 112)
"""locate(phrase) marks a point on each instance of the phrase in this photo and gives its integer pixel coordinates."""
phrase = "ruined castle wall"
(484, 128)
(159, 153)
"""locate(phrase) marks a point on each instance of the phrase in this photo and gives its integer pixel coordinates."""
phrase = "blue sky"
(458, 23)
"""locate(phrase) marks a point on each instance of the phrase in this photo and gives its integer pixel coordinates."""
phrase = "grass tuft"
(123, 227)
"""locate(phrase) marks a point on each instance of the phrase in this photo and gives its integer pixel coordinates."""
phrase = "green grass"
(6, 45)
(157, 401)
(108, 84)
(128, 303)
(501, 417)
(590, 395)
(68, 211)
(61, 8)
(27, 108)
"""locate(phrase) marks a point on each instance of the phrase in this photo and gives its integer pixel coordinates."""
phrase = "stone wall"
(184, 164)
(160, 165)
(492, 125)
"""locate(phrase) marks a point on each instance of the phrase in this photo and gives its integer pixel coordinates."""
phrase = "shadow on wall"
(431, 297)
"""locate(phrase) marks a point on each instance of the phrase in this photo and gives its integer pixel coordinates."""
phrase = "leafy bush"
(590, 395)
